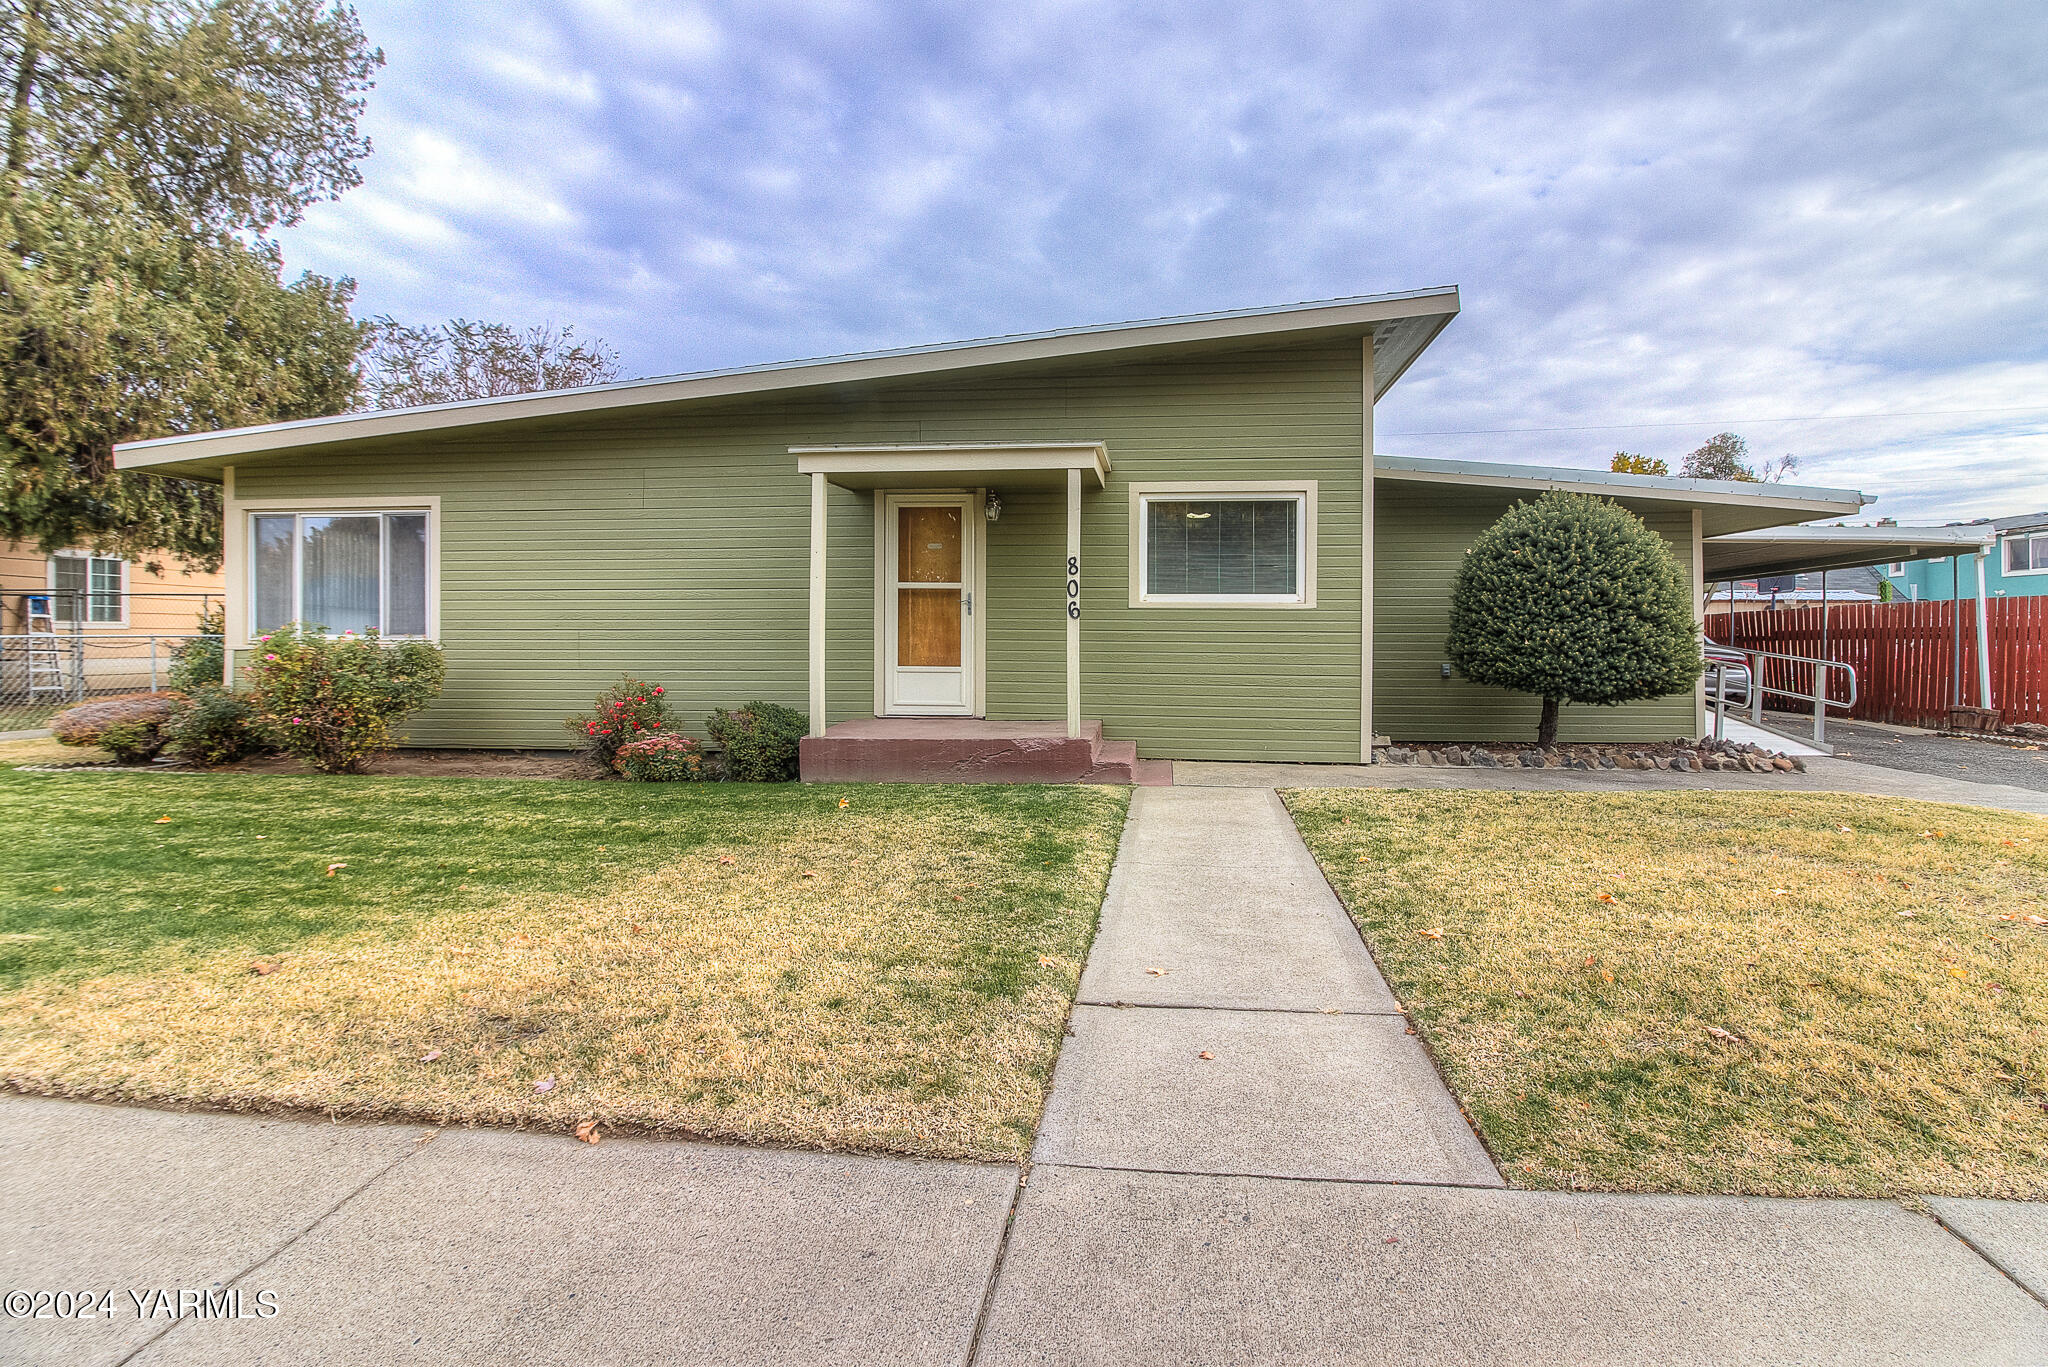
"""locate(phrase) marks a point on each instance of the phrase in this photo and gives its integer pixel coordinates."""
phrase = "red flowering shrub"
(631, 709)
(666, 758)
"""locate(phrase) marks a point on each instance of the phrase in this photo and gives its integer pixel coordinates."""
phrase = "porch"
(935, 507)
(972, 750)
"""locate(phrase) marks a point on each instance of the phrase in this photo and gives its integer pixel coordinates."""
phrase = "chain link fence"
(61, 648)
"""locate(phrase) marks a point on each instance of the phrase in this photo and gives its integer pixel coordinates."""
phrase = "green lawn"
(881, 968)
(1796, 994)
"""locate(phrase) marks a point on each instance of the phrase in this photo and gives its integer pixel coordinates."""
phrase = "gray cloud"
(1659, 214)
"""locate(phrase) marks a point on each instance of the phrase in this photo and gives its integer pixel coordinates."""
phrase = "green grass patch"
(748, 962)
(1796, 994)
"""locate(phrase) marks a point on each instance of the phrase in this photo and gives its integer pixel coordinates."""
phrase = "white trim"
(975, 609)
(1072, 593)
(2004, 556)
(1302, 492)
(241, 586)
(1011, 464)
(1699, 614)
(817, 605)
(1368, 529)
(1413, 317)
(116, 623)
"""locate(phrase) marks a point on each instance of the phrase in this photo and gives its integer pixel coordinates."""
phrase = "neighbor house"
(1167, 539)
(2017, 566)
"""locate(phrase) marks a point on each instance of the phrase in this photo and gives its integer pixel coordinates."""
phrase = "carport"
(1806, 550)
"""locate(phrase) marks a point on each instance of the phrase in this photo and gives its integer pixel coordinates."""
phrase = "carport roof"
(1799, 550)
(1725, 505)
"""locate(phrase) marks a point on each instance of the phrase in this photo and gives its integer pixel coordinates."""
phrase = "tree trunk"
(1546, 730)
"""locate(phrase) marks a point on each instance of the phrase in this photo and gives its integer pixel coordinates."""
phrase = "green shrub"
(631, 709)
(760, 741)
(130, 728)
(214, 726)
(334, 701)
(1575, 599)
(199, 660)
(667, 758)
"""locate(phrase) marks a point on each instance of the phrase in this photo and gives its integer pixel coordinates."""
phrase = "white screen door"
(928, 598)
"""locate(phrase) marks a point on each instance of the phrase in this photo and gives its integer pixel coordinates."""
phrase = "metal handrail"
(1819, 697)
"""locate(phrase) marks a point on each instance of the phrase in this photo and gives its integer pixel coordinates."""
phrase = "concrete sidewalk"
(1823, 775)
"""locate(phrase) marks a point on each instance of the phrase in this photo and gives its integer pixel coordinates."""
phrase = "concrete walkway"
(1309, 1193)
(1823, 775)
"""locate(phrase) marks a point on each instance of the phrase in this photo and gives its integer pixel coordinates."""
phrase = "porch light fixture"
(992, 506)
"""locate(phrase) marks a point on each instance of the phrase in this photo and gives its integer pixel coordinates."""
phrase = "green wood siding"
(1423, 531)
(675, 545)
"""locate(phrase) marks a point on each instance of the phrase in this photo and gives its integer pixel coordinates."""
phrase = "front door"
(928, 588)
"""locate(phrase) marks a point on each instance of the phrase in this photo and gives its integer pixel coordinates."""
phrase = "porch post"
(817, 604)
(1983, 640)
(1073, 603)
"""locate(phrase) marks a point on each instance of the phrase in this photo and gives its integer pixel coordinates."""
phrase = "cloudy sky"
(1821, 225)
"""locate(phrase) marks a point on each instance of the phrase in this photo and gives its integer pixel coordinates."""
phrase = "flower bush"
(666, 758)
(335, 701)
(130, 728)
(631, 709)
(760, 741)
(212, 725)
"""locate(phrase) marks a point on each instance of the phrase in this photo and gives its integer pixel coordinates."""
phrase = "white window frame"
(1895, 570)
(1301, 492)
(241, 597)
(2029, 538)
(115, 623)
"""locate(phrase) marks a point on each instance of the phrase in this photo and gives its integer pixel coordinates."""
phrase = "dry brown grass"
(1884, 996)
(892, 976)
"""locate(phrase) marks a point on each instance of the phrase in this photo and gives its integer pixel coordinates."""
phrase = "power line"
(1725, 422)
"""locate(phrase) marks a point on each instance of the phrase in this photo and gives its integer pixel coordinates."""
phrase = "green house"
(1079, 550)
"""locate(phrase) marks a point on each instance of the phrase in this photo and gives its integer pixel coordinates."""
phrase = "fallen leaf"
(810, 873)
(1607, 897)
(1205, 1054)
(430, 1056)
(1957, 971)
(1156, 972)
(1430, 934)
(263, 970)
(725, 859)
(161, 821)
(58, 888)
(546, 1084)
(1047, 961)
(1392, 1240)
(586, 1131)
(1727, 1036)
(1781, 892)
(332, 869)
(1845, 830)
(844, 803)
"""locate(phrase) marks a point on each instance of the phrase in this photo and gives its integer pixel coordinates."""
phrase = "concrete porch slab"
(517, 1248)
(1137, 1268)
(1286, 1094)
(2012, 1234)
(1215, 887)
(115, 1197)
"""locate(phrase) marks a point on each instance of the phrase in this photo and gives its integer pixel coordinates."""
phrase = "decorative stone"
(1395, 754)
(1531, 759)
(1578, 763)
(1783, 765)
(1425, 756)
(1455, 756)
(1483, 759)
(1682, 763)
(1607, 761)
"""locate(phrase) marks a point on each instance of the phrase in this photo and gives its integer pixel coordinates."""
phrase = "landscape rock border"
(1680, 756)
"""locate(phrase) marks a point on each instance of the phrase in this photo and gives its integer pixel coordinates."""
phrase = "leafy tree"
(149, 146)
(1628, 463)
(1573, 598)
(465, 359)
(1727, 457)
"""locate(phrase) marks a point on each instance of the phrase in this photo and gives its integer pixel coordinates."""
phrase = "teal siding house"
(2016, 568)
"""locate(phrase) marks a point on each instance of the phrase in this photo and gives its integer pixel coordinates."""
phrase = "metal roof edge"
(1666, 486)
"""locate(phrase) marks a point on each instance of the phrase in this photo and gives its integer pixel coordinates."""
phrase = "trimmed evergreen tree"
(1575, 599)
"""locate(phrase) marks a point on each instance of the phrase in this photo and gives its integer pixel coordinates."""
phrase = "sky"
(1823, 226)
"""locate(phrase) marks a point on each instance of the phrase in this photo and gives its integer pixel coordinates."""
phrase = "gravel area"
(1923, 752)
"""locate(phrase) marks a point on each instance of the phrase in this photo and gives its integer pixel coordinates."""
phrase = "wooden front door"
(929, 603)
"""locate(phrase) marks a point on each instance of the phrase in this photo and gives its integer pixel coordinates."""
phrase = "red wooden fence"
(1903, 655)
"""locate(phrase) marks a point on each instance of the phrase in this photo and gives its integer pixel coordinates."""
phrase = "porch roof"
(1004, 464)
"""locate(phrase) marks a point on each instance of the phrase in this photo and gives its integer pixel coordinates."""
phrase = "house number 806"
(1073, 587)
